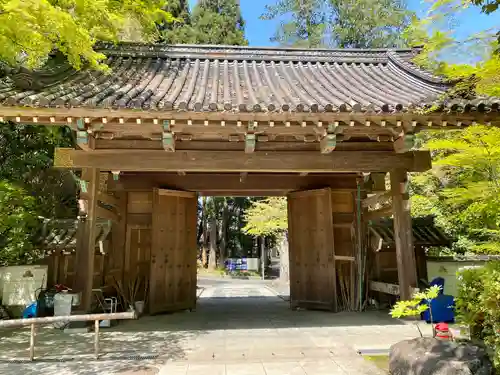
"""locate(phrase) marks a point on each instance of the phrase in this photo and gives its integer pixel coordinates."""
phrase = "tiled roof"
(236, 79)
(425, 232)
(60, 235)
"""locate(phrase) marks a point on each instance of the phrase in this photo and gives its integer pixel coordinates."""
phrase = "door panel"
(312, 260)
(173, 252)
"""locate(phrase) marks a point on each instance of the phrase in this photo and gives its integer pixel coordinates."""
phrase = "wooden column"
(403, 235)
(85, 251)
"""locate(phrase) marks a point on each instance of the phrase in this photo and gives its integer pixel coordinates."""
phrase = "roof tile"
(239, 79)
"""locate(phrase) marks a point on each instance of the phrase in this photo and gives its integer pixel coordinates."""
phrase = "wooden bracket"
(250, 142)
(404, 143)
(168, 139)
(328, 143)
(82, 136)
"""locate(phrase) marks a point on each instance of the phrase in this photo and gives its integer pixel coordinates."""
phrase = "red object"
(443, 331)
(61, 287)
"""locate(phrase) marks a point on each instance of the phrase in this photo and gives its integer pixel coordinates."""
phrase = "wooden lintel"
(231, 161)
(380, 197)
(250, 143)
(328, 143)
(404, 143)
(104, 213)
(227, 183)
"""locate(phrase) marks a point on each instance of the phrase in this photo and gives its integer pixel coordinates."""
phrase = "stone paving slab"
(236, 329)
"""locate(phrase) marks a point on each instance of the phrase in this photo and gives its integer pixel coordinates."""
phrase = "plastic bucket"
(139, 307)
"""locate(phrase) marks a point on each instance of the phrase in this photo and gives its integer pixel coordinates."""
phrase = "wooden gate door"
(313, 282)
(173, 251)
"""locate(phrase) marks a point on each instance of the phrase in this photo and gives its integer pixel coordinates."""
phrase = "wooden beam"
(403, 234)
(223, 182)
(250, 143)
(404, 143)
(230, 161)
(328, 143)
(84, 273)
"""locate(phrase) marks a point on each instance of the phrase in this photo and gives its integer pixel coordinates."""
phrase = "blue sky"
(258, 32)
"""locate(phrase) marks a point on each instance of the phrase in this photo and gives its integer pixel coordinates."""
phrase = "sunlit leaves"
(31, 29)
(444, 51)
(416, 305)
(267, 217)
(468, 193)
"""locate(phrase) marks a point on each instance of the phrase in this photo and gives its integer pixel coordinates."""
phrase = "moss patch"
(381, 361)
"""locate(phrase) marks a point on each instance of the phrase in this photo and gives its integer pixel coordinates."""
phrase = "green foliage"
(31, 29)
(478, 304)
(339, 23)
(17, 221)
(26, 161)
(218, 22)
(415, 307)
(463, 189)
(179, 30)
(267, 217)
(436, 32)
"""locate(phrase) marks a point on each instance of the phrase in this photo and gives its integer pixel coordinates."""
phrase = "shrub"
(17, 223)
(478, 305)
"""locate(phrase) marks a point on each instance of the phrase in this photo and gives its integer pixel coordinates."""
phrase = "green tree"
(339, 23)
(218, 22)
(179, 31)
(436, 32)
(463, 188)
(305, 25)
(31, 30)
(269, 217)
(17, 223)
(26, 161)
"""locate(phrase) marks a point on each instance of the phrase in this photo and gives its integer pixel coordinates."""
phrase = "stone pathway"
(238, 328)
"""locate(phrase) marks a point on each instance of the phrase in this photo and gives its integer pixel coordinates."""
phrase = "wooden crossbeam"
(233, 161)
(214, 183)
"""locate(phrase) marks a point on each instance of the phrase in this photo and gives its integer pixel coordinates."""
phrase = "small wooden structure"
(382, 246)
(323, 127)
(58, 239)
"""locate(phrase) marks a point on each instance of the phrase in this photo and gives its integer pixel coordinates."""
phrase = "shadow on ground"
(236, 328)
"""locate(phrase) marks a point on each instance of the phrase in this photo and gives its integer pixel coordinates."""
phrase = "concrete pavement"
(240, 327)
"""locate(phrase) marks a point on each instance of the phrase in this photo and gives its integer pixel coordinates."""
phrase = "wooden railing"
(33, 322)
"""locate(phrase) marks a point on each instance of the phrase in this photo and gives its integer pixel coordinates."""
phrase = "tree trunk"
(204, 235)
(223, 234)
(212, 256)
(284, 258)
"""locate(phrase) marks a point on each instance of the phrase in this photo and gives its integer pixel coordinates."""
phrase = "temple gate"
(327, 128)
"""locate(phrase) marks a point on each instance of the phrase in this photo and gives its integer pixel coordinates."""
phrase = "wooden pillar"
(403, 234)
(85, 251)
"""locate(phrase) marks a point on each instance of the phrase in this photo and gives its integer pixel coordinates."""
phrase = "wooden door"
(173, 251)
(313, 281)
